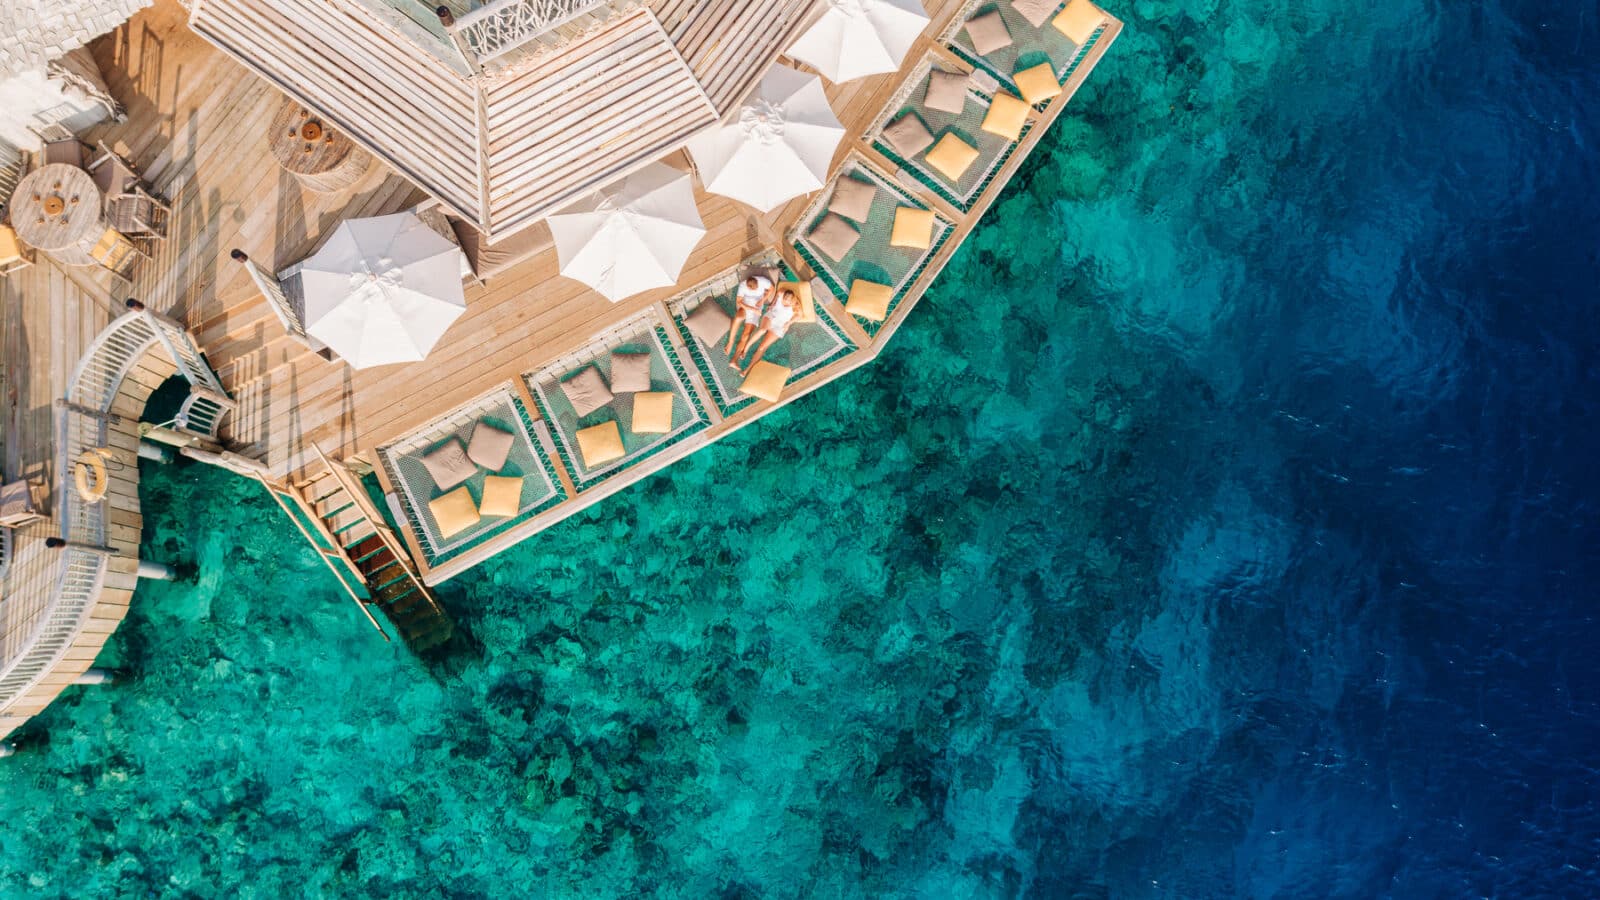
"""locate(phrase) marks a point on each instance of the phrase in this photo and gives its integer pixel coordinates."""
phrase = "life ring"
(89, 473)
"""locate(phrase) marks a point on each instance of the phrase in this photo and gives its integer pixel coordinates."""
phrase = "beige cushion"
(489, 446)
(502, 496)
(1005, 117)
(709, 322)
(988, 33)
(454, 512)
(586, 391)
(448, 464)
(947, 91)
(952, 156)
(630, 372)
(852, 198)
(652, 413)
(834, 237)
(808, 304)
(912, 228)
(869, 300)
(766, 380)
(1035, 11)
(488, 260)
(908, 136)
(1079, 21)
(600, 444)
(1038, 83)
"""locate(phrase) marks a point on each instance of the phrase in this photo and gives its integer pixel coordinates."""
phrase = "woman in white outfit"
(752, 298)
(774, 325)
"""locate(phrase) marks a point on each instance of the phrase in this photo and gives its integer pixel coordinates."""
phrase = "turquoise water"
(1222, 524)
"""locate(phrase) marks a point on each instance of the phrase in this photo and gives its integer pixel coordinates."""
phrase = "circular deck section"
(63, 603)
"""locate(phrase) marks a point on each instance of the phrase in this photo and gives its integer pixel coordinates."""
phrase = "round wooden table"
(57, 209)
(322, 159)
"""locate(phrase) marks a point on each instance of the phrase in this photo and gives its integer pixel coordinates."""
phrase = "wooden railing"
(287, 311)
(84, 418)
(81, 572)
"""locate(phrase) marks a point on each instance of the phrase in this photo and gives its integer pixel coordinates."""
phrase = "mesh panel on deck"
(872, 258)
(1029, 45)
(806, 347)
(404, 463)
(666, 374)
(993, 150)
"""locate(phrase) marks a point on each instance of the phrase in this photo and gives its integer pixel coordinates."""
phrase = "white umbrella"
(777, 145)
(382, 290)
(630, 236)
(856, 38)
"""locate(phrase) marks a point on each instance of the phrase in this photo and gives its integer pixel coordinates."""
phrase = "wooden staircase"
(336, 516)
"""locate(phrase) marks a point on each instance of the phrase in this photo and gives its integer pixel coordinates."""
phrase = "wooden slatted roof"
(505, 147)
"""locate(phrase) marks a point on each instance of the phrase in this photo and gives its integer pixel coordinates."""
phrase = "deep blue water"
(1223, 524)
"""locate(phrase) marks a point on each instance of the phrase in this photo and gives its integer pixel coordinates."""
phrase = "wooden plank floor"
(195, 127)
(49, 315)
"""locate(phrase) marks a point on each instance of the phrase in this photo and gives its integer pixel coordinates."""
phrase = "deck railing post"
(448, 20)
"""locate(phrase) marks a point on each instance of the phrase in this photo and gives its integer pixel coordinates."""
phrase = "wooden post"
(448, 20)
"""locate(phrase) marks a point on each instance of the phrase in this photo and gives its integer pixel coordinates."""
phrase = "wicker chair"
(130, 208)
(69, 151)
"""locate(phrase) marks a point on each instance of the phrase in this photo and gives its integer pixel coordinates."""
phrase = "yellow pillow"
(10, 248)
(869, 300)
(454, 512)
(600, 444)
(1079, 21)
(808, 304)
(952, 156)
(1038, 83)
(652, 412)
(1006, 117)
(912, 228)
(502, 496)
(765, 380)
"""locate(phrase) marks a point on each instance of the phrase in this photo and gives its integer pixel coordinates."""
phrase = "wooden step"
(319, 486)
(376, 563)
(342, 520)
(394, 590)
(368, 546)
(356, 534)
(333, 503)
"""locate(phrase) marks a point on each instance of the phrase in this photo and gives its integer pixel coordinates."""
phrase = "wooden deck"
(196, 130)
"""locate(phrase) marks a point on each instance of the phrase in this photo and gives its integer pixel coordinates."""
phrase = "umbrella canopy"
(777, 145)
(382, 290)
(856, 38)
(630, 236)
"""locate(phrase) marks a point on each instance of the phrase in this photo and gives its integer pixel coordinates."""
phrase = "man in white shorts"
(752, 299)
(774, 325)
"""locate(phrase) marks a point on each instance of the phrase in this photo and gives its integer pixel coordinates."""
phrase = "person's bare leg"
(761, 350)
(744, 345)
(734, 328)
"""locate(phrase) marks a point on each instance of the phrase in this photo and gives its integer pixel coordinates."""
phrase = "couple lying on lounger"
(767, 316)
